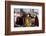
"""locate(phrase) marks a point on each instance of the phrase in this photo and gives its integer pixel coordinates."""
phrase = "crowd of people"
(26, 20)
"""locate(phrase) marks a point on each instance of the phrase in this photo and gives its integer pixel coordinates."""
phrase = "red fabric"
(36, 21)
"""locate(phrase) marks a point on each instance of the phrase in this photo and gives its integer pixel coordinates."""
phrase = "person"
(36, 21)
(19, 21)
(27, 21)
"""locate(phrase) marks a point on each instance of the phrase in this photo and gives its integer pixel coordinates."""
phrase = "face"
(33, 20)
(28, 15)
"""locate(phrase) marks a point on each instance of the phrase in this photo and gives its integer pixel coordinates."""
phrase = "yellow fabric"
(27, 21)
